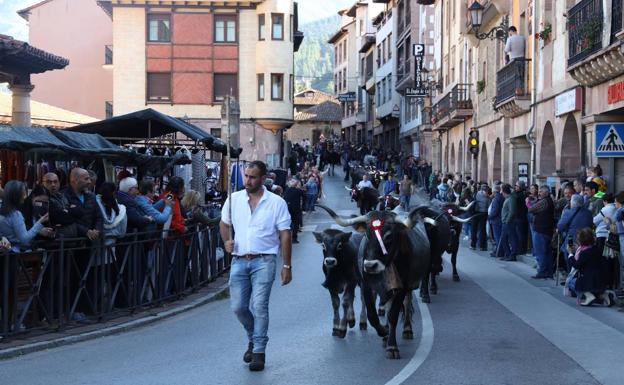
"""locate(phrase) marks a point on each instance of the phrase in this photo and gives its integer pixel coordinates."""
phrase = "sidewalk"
(29, 343)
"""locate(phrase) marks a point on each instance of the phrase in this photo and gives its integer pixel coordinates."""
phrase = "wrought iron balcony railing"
(616, 19)
(457, 99)
(585, 23)
(512, 80)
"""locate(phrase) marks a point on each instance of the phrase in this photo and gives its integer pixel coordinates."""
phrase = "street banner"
(609, 143)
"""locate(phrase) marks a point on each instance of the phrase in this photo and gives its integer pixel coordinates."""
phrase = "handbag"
(613, 242)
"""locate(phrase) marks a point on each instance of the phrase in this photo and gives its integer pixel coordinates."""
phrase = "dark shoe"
(509, 259)
(257, 362)
(248, 354)
(472, 248)
(295, 241)
(492, 255)
(484, 249)
(538, 276)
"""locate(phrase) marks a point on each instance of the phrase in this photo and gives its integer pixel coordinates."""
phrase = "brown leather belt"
(249, 257)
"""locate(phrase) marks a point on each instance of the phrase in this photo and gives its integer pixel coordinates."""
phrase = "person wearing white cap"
(128, 190)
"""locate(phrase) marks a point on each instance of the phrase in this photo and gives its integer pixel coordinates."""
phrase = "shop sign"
(609, 142)
(347, 97)
(615, 93)
(568, 101)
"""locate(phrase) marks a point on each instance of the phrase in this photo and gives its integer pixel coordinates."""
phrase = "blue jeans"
(508, 243)
(543, 254)
(405, 199)
(310, 201)
(250, 288)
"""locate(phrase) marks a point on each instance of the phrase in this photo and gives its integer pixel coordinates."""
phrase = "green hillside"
(314, 60)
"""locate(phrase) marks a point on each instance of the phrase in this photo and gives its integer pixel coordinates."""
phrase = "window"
(389, 46)
(335, 83)
(225, 84)
(277, 26)
(383, 91)
(108, 107)
(340, 81)
(344, 50)
(260, 86)
(159, 27)
(291, 88)
(389, 87)
(379, 56)
(292, 31)
(277, 87)
(336, 55)
(225, 28)
(261, 27)
(159, 86)
(344, 79)
(378, 93)
(108, 54)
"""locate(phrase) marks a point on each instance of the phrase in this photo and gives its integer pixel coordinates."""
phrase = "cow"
(389, 202)
(394, 257)
(342, 275)
(443, 237)
(366, 198)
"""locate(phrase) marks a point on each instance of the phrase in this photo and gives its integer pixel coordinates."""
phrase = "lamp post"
(500, 32)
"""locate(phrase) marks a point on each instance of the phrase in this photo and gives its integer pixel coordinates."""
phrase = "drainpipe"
(529, 134)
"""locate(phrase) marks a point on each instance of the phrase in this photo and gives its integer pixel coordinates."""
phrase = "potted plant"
(480, 86)
(588, 32)
(544, 34)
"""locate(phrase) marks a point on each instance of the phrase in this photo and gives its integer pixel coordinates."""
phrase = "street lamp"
(500, 32)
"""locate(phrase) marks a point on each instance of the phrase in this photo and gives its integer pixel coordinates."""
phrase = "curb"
(213, 296)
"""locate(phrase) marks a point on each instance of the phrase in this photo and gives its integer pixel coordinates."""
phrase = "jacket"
(602, 230)
(136, 218)
(569, 226)
(508, 212)
(293, 197)
(482, 202)
(589, 266)
(177, 220)
(58, 208)
(389, 187)
(595, 204)
(496, 208)
(521, 208)
(443, 189)
(114, 225)
(86, 215)
(543, 213)
(146, 207)
(13, 228)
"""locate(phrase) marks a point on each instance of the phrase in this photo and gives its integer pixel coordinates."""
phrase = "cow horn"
(409, 222)
(432, 222)
(461, 220)
(347, 188)
(466, 208)
(344, 222)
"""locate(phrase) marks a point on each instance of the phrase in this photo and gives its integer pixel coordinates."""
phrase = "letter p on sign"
(419, 49)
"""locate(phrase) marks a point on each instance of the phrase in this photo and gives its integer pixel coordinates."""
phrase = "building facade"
(316, 114)
(85, 86)
(183, 58)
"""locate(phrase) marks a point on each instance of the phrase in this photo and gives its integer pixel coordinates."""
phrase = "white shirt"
(257, 232)
(364, 183)
(515, 46)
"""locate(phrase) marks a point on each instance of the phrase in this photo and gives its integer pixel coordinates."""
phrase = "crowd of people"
(578, 229)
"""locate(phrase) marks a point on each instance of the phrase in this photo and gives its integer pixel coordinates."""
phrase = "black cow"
(342, 275)
(391, 267)
(374, 175)
(389, 202)
(366, 199)
(444, 237)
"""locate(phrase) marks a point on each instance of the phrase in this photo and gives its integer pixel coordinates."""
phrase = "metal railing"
(457, 99)
(616, 19)
(512, 80)
(585, 23)
(44, 290)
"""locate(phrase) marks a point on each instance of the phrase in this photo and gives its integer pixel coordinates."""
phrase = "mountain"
(313, 10)
(315, 58)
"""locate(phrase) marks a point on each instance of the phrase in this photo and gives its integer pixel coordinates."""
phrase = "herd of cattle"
(390, 254)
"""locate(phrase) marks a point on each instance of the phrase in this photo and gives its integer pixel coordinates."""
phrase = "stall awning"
(31, 139)
(149, 124)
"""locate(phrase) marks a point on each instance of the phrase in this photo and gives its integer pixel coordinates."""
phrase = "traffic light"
(473, 142)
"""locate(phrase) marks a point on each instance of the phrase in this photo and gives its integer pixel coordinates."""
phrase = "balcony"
(453, 108)
(512, 88)
(108, 55)
(425, 124)
(367, 41)
(593, 57)
(405, 77)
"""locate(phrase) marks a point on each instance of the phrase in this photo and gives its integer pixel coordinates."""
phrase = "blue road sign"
(609, 143)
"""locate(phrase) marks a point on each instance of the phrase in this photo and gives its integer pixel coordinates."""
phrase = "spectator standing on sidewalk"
(479, 221)
(294, 198)
(573, 219)
(593, 197)
(602, 221)
(494, 216)
(521, 217)
(543, 212)
(508, 244)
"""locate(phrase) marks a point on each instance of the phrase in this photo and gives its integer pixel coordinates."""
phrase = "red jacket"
(177, 220)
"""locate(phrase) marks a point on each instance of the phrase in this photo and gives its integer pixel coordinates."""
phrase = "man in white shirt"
(261, 226)
(515, 45)
(364, 182)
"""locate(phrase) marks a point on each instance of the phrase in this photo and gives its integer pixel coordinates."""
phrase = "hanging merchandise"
(184, 171)
(199, 173)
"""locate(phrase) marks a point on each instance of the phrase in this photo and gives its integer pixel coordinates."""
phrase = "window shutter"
(159, 86)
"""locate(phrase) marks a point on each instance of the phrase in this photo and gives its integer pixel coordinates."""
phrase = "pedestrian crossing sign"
(609, 143)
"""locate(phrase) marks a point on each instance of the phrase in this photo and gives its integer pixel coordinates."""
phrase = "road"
(496, 326)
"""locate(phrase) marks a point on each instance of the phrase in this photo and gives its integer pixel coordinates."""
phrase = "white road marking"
(426, 343)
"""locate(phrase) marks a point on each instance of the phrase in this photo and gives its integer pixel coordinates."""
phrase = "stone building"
(316, 114)
(181, 58)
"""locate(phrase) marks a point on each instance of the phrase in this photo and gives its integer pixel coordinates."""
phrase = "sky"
(13, 25)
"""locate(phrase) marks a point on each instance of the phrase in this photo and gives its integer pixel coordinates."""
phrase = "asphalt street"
(496, 326)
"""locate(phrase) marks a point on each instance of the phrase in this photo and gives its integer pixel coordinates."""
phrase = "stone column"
(21, 104)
